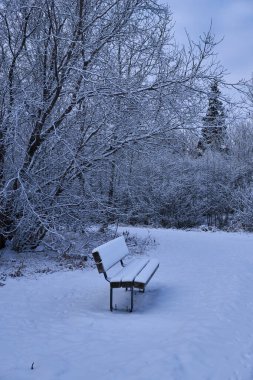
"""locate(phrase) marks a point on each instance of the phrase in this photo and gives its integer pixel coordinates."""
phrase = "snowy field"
(195, 320)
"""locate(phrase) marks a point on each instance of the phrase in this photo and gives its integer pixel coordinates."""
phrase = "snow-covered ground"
(195, 320)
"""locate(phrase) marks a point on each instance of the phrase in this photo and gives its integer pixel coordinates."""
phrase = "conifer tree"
(214, 127)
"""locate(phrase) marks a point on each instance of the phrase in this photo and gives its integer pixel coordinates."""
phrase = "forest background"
(105, 118)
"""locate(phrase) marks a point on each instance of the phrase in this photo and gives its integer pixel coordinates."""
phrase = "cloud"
(231, 19)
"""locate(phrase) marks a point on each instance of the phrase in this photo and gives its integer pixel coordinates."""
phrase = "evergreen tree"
(214, 128)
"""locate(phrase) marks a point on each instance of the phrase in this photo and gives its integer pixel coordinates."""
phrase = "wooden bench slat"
(146, 274)
(108, 254)
(128, 273)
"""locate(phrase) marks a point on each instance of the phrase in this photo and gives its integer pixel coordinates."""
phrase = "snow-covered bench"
(136, 274)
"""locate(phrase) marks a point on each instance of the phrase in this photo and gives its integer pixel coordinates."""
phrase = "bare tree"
(81, 84)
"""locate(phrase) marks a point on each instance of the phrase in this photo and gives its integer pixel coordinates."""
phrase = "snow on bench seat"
(127, 275)
(146, 274)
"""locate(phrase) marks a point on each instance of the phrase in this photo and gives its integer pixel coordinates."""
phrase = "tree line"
(101, 121)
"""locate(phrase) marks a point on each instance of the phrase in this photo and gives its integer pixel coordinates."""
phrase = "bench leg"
(132, 300)
(111, 298)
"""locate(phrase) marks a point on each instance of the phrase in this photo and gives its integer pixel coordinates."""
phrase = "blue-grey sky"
(231, 20)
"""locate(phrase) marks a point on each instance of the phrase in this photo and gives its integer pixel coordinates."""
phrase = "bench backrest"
(110, 253)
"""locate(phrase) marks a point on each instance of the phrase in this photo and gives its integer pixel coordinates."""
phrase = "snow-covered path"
(195, 320)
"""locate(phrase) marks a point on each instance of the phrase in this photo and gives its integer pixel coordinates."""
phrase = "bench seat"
(142, 279)
(126, 276)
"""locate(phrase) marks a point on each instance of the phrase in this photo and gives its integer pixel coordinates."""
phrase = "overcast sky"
(231, 19)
